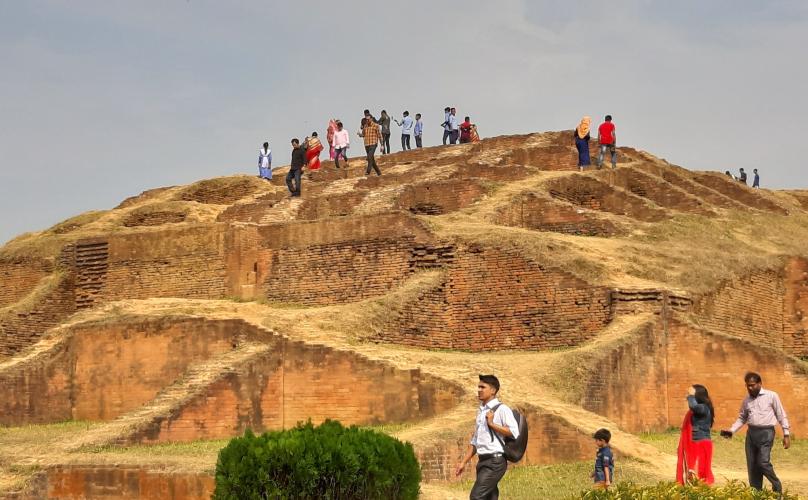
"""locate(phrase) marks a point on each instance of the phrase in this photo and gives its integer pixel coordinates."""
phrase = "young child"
(604, 461)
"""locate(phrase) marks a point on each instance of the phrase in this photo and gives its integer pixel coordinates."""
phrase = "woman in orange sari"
(313, 149)
(475, 136)
(695, 453)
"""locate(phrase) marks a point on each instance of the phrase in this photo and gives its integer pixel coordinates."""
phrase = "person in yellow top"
(313, 149)
(372, 135)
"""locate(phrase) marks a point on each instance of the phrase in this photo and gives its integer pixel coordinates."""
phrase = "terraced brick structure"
(135, 341)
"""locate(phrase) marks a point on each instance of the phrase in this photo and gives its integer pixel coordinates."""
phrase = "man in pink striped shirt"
(761, 411)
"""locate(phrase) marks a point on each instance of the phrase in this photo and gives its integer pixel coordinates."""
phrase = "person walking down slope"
(761, 410)
(372, 136)
(695, 452)
(607, 139)
(406, 130)
(265, 162)
(341, 142)
(384, 122)
(295, 168)
(313, 149)
(465, 131)
(755, 179)
(418, 131)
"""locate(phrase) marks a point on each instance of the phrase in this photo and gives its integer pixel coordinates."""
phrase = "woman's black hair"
(266, 146)
(702, 397)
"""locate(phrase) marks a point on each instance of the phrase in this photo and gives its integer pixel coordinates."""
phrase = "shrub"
(328, 461)
(734, 490)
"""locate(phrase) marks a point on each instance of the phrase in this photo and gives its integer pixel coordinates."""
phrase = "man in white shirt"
(454, 127)
(760, 411)
(406, 129)
(495, 422)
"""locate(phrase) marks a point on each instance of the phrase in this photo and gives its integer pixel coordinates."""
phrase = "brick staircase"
(91, 259)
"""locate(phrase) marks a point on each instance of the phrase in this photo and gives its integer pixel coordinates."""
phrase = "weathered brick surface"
(224, 191)
(101, 371)
(535, 212)
(635, 301)
(19, 277)
(492, 299)
(77, 482)
(591, 193)
(682, 179)
(296, 382)
(657, 190)
(148, 217)
(252, 211)
(435, 198)
(737, 191)
(642, 384)
(795, 308)
(551, 440)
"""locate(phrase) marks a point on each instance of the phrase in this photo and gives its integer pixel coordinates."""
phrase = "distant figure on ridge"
(755, 179)
(372, 136)
(695, 452)
(465, 131)
(384, 121)
(329, 136)
(495, 422)
(341, 142)
(313, 149)
(418, 131)
(582, 137)
(447, 131)
(454, 127)
(295, 168)
(760, 411)
(265, 162)
(742, 176)
(607, 138)
(406, 130)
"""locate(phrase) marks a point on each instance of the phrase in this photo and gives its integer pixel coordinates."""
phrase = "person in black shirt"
(742, 177)
(296, 168)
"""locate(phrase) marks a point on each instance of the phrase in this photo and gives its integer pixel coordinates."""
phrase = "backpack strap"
(491, 431)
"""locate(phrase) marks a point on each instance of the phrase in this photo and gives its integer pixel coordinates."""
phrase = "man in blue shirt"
(419, 130)
(604, 460)
(406, 130)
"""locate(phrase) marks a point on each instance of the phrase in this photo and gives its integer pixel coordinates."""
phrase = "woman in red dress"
(313, 149)
(695, 454)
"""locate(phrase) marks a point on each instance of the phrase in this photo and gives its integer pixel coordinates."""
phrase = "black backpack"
(514, 449)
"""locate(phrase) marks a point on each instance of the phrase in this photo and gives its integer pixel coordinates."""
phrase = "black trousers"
(337, 153)
(446, 135)
(453, 137)
(418, 141)
(405, 142)
(294, 174)
(759, 441)
(371, 152)
(385, 143)
(489, 472)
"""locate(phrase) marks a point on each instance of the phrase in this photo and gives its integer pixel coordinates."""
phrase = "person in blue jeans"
(604, 460)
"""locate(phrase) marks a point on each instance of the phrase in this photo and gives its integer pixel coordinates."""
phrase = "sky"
(103, 99)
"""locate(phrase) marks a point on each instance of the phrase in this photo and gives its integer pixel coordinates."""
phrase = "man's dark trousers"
(446, 135)
(294, 174)
(405, 142)
(759, 441)
(453, 137)
(418, 141)
(490, 469)
(371, 152)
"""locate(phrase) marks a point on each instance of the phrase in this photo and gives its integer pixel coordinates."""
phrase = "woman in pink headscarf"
(332, 128)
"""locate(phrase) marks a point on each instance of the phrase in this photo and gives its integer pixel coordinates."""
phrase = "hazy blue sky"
(100, 100)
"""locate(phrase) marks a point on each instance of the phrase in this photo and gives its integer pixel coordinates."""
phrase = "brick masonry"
(594, 194)
(532, 211)
(493, 299)
(19, 277)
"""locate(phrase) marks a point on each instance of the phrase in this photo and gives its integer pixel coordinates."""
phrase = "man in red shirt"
(607, 138)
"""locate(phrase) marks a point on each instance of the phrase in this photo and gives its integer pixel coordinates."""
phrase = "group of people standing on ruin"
(742, 177)
(374, 132)
(607, 141)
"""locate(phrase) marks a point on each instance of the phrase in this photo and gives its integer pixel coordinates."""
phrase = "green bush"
(328, 461)
(734, 490)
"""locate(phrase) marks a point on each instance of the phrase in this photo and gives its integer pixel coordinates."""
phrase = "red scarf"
(685, 454)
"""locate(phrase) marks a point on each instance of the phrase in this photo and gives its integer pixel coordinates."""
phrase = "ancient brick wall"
(151, 217)
(657, 190)
(435, 198)
(19, 277)
(594, 194)
(223, 191)
(534, 212)
(494, 299)
(750, 307)
(628, 385)
(737, 191)
(78, 482)
(295, 382)
(102, 371)
(720, 363)
(795, 305)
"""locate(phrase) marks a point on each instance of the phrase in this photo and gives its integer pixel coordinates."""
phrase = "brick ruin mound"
(379, 248)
